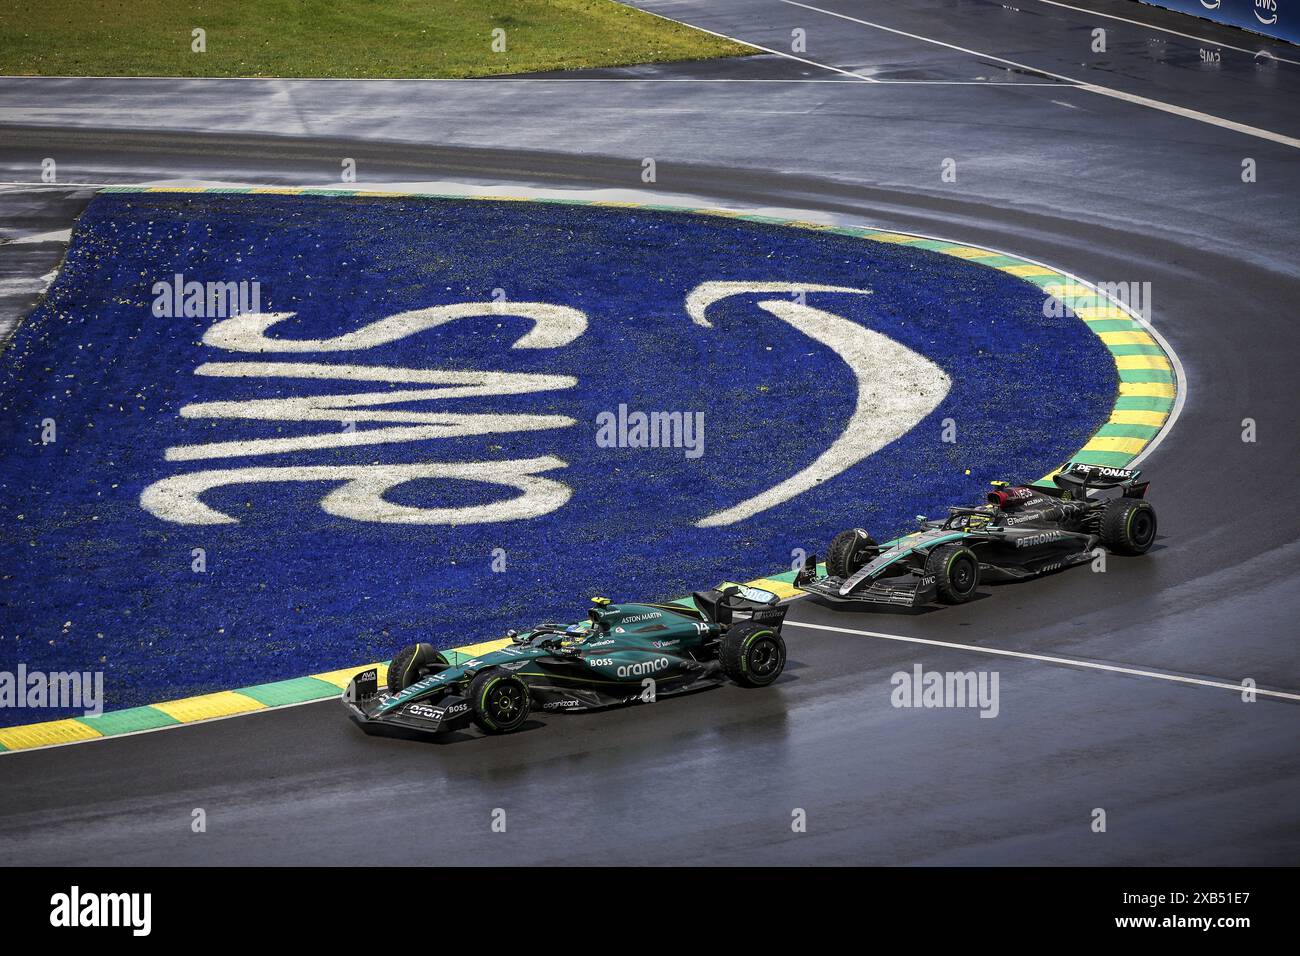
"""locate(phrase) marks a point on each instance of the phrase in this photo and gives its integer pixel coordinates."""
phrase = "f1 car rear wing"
(1079, 478)
(722, 604)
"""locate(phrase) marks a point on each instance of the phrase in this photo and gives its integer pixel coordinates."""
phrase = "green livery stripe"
(1149, 387)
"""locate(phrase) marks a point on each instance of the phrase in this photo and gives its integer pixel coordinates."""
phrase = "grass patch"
(337, 38)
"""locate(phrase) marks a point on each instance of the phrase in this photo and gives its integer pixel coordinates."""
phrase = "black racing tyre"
(956, 573)
(1128, 525)
(752, 654)
(411, 663)
(849, 551)
(501, 701)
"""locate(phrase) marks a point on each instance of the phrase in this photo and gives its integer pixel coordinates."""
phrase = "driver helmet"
(576, 633)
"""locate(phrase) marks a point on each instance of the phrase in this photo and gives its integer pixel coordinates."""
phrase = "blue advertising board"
(1279, 19)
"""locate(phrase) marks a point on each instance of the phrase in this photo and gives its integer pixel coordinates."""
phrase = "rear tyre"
(752, 654)
(849, 551)
(501, 701)
(956, 573)
(1128, 526)
(411, 663)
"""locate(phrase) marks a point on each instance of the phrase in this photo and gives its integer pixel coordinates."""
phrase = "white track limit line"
(1133, 98)
(1044, 658)
(749, 43)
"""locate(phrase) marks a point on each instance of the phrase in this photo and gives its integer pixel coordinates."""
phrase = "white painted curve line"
(765, 49)
(1180, 374)
(1187, 36)
(58, 235)
(1067, 661)
(1077, 84)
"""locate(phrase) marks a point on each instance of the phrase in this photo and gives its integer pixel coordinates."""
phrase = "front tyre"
(501, 701)
(1128, 525)
(956, 573)
(411, 663)
(849, 551)
(752, 654)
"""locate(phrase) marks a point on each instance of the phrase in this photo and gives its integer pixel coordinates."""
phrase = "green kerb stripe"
(1111, 430)
(128, 721)
(1117, 459)
(1145, 375)
(1135, 350)
(294, 691)
(934, 245)
(997, 262)
(1143, 403)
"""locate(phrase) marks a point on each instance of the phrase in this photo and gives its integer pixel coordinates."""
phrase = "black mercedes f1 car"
(1022, 531)
(621, 654)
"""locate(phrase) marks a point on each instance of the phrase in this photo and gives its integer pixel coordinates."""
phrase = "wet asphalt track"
(1107, 189)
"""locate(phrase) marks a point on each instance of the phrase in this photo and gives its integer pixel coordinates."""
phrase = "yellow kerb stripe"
(205, 707)
(892, 237)
(487, 647)
(1100, 313)
(781, 589)
(1127, 338)
(1130, 446)
(968, 252)
(340, 678)
(1134, 417)
(1026, 271)
(1147, 389)
(1067, 290)
(1142, 361)
(43, 735)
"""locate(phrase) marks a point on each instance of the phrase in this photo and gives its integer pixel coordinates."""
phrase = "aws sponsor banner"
(252, 437)
(1275, 18)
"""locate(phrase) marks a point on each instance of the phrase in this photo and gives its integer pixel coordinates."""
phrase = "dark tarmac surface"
(1109, 189)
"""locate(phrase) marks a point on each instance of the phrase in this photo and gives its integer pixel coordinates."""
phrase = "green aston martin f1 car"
(622, 653)
(1022, 531)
